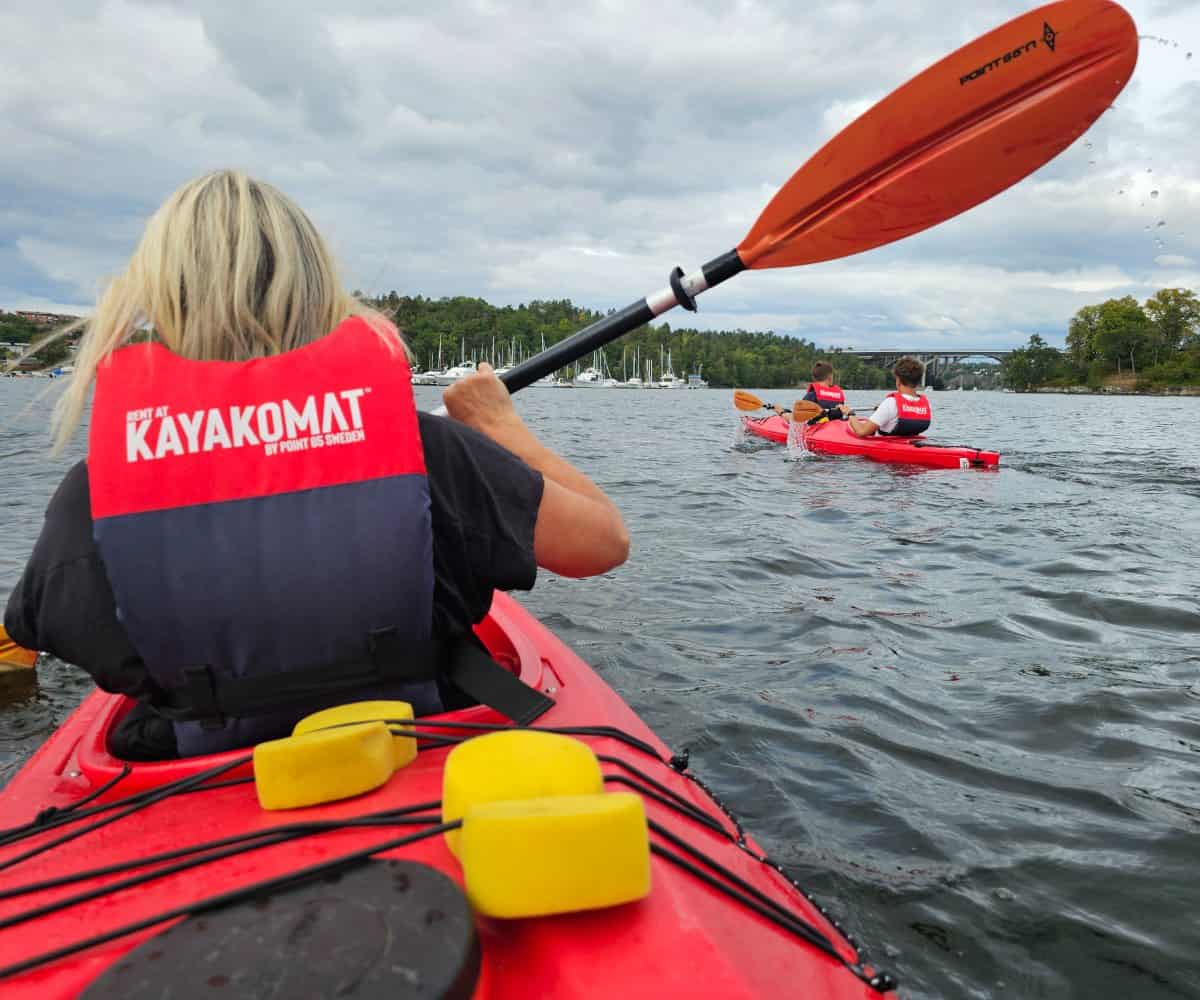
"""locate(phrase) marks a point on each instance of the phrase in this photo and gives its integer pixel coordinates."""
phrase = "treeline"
(469, 326)
(1155, 344)
(20, 330)
(16, 329)
(480, 331)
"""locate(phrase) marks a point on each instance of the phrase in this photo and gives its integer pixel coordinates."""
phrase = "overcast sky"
(576, 150)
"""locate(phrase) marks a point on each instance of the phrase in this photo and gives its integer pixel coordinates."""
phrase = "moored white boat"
(590, 378)
(453, 374)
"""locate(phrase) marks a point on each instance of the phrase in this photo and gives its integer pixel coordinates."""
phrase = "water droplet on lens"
(1147, 229)
(1091, 163)
(1189, 55)
(1149, 171)
(1161, 223)
(1088, 145)
(1154, 193)
(1122, 191)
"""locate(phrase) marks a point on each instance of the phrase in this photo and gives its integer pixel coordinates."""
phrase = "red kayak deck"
(687, 938)
(835, 438)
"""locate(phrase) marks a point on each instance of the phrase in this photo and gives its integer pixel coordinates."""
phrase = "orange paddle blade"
(805, 409)
(12, 655)
(960, 132)
(744, 400)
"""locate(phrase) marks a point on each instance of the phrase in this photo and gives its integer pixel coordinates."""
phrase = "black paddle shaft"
(617, 324)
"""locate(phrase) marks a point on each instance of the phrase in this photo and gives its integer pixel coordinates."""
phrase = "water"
(963, 707)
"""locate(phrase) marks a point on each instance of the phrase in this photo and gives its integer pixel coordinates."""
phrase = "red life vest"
(263, 518)
(828, 396)
(915, 416)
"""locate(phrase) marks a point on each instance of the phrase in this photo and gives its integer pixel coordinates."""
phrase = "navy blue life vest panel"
(915, 416)
(263, 517)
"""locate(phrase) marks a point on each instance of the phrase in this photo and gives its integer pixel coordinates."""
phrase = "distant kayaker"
(823, 391)
(265, 526)
(905, 412)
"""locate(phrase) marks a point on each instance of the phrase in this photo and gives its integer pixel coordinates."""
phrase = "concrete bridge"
(934, 361)
(887, 356)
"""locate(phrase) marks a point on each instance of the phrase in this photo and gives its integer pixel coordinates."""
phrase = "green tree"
(1174, 315)
(1122, 331)
(16, 329)
(1032, 365)
(1081, 336)
(1017, 370)
(51, 352)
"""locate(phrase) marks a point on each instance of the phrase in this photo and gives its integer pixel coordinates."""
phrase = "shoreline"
(1115, 390)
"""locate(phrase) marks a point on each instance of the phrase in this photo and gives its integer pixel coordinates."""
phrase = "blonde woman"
(265, 525)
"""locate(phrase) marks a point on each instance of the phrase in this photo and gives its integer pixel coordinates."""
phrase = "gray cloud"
(553, 150)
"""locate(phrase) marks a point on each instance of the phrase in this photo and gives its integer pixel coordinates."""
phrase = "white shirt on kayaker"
(885, 416)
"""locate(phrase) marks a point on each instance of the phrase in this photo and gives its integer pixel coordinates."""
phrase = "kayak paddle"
(12, 656)
(958, 133)
(806, 409)
(744, 400)
(802, 409)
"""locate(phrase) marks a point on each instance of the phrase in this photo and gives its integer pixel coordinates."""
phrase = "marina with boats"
(595, 375)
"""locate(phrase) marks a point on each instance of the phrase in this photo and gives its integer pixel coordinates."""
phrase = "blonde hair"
(228, 269)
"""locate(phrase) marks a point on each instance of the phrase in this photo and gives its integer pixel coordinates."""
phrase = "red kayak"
(834, 438)
(126, 880)
(773, 428)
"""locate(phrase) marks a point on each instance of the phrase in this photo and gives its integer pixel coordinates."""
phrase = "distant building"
(45, 319)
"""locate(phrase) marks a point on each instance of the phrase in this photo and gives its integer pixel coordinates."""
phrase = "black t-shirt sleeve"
(63, 603)
(485, 503)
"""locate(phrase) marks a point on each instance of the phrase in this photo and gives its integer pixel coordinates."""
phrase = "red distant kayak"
(719, 921)
(834, 438)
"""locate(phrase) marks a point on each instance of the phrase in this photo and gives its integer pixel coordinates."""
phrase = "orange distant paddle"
(12, 656)
(955, 135)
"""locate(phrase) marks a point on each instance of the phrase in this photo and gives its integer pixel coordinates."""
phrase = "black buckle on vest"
(202, 697)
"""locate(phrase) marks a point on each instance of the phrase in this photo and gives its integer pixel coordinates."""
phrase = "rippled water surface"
(963, 707)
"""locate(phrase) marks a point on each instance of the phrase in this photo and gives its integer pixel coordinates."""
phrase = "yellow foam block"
(322, 767)
(515, 764)
(541, 856)
(366, 711)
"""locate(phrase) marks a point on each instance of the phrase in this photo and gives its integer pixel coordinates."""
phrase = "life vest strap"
(211, 700)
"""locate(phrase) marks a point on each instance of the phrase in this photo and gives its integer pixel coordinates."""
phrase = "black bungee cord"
(728, 883)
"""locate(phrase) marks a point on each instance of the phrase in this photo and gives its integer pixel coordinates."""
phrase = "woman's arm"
(63, 603)
(579, 531)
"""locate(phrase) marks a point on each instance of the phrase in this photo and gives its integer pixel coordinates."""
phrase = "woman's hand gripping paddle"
(955, 135)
